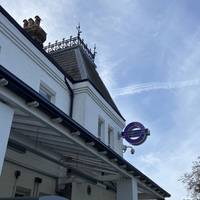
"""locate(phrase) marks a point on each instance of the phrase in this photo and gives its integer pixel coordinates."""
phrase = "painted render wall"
(79, 192)
(89, 106)
(26, 180)
(24, 60)
(91, 122)
(31, 166)
(79, 108)
(48, 185)
(49, 172)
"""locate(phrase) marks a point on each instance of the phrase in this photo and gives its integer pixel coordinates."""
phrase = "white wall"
(48, 172)
(26, 180)
(24, 60)
(94, 107)
(31, 166)
(6, 117)
(79, 192)
(92, 114)
(127, 189)
(79, 108)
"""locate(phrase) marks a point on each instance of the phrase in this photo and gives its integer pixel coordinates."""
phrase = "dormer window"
(47, 92)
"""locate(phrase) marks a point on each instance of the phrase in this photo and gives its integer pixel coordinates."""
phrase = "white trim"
(45, 88)
(110, 136)
(101, 126)
(86, 87)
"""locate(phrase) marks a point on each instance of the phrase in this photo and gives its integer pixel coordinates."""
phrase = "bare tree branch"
(192, 180)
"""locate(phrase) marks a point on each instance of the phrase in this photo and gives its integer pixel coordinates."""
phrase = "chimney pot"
(30, 22)
(37, 20)
(25, 21)
(34, 30)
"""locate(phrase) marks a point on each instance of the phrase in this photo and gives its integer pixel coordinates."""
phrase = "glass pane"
(45, 94)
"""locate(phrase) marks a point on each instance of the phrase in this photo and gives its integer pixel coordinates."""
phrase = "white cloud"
(145, 87)
(150, 159)
(166, 165)
(53, 15)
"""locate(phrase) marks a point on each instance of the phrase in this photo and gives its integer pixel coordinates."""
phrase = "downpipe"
(71, 98)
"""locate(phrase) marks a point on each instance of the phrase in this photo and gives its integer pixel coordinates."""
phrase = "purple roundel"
(135, 133)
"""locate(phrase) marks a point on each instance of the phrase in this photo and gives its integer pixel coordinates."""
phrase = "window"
(119, 134)
(22, 192)
(110, 137)
(101, 128)
(47, 92)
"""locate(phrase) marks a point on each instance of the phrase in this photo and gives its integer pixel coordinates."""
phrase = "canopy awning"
(39, 122)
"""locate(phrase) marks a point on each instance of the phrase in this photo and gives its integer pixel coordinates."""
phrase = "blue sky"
(149, 58)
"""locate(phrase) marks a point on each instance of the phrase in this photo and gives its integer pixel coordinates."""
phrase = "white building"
(59, 125)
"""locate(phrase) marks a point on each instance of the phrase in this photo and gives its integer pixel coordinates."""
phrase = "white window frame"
(110, 136)
(101, 128)
(44, 88)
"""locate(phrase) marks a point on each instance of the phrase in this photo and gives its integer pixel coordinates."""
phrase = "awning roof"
(29, 95)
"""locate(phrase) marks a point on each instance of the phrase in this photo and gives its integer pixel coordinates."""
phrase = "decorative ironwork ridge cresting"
(71, 42)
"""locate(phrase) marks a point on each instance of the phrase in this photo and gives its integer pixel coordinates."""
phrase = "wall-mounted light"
(89, 190)
(125, 147)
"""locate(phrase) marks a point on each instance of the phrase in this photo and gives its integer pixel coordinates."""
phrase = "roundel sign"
(135, 133)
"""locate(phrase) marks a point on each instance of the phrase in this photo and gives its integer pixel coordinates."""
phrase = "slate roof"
(76, 63)
(67, 60)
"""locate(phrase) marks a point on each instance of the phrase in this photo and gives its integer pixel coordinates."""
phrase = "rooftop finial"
(94, 51)
(78, 27)
(25, 23)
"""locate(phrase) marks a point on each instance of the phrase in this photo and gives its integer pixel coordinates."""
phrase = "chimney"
(34, 30)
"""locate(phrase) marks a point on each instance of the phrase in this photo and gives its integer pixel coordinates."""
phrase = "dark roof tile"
(68, 60)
